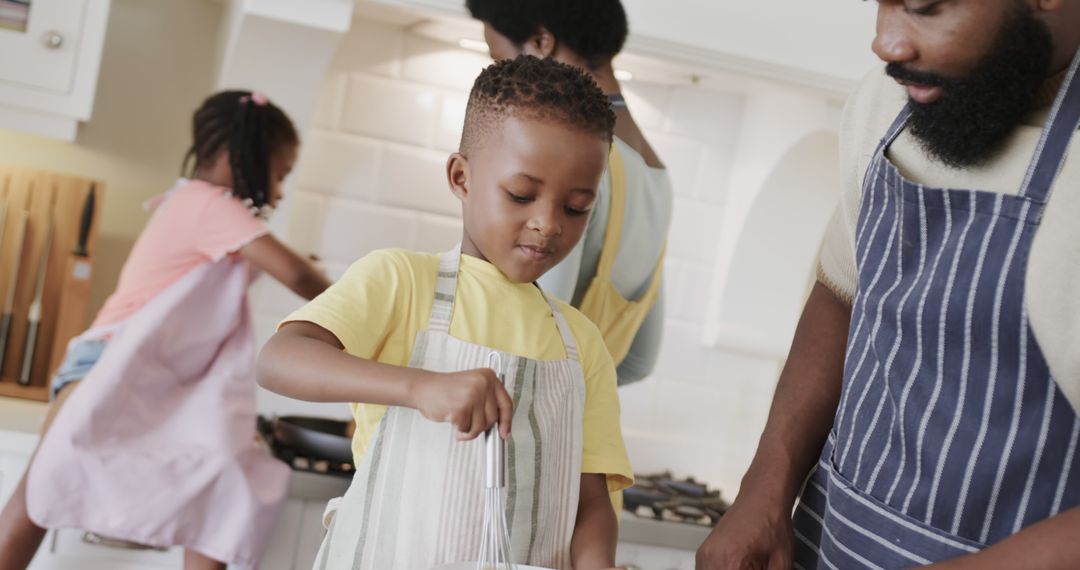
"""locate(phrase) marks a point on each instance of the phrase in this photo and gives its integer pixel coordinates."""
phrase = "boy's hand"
(472, 401)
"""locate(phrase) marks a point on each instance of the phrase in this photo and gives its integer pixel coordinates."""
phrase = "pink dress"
(157, 445)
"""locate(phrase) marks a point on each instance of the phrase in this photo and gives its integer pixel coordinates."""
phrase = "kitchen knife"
(34, 314)
(13, 281)
(3, 221)
(75, 287)
(85, 220)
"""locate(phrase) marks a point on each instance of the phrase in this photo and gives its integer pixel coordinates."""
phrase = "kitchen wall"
(371, 176)
(157, 66)
(828, 40)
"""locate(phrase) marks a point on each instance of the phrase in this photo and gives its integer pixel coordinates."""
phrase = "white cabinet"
(15, 451)
(68, 549)
(49, 69)
(46, 48)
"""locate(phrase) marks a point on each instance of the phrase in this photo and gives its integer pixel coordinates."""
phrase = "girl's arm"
(293, 270)
(307, 362)
(596, 530)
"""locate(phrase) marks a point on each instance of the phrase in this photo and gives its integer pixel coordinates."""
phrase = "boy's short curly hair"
(593, 29)
(540, 89)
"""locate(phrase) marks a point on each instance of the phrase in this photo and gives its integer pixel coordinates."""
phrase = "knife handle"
(5, 329)
(28, 352)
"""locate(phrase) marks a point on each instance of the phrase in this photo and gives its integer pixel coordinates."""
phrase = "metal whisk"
(495, 551)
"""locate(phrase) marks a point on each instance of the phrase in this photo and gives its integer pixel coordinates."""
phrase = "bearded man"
(927, 413)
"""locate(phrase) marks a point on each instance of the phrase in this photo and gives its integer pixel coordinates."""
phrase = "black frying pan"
(315, 438)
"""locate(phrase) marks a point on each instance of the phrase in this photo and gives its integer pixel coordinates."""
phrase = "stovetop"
(662, 497)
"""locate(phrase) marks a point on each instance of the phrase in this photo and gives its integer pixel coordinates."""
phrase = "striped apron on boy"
(417, 500)
(951, 433)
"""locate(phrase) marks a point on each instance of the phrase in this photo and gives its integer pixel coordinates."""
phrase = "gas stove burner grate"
(315, 465)
(664, 498)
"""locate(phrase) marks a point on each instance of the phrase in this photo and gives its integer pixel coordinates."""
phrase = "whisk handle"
(494, 459)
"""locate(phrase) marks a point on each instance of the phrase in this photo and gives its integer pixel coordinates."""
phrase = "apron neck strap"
(1061, 125)
(442, 306)
(895, 129)
(564, 328)
(616, 214)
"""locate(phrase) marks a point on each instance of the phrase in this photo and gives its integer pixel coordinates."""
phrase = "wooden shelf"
(12, 389)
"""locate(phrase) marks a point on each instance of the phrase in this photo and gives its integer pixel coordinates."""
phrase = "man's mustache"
(898, 71)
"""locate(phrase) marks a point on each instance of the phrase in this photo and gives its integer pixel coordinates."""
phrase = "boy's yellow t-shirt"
(385, 298)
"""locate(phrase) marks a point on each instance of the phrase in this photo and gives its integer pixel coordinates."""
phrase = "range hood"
(765, 40)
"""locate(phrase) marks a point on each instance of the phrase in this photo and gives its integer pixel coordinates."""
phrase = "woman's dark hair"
(593, 29)
(251, 129)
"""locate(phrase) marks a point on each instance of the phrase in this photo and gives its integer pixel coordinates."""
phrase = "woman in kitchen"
(614, 274)
(156, 444)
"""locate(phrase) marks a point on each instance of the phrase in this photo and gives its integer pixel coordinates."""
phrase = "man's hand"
(750, 536)
(472, 401)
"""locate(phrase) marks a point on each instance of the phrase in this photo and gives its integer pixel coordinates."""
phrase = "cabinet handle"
(98, 540)
(52, 39)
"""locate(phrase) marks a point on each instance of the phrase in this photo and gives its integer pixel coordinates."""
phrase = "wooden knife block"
(66, 294)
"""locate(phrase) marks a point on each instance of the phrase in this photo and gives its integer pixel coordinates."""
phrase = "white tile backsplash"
(714, 174)
(648, 103)
(306, 212)
(415, 178)
(328, 108)
(695, 230)
(437, 233)
(436, 63)
(682, 157)
(372, 47)
(341, 165)
(351, 230)
(684, 357)
(694, 283)
(390, 110)
(706, 116)
(372, 175)
(451, 119)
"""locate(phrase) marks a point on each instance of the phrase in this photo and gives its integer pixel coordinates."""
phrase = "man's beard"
(976, 114)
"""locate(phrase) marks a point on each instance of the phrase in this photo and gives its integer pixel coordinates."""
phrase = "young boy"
(409, 336)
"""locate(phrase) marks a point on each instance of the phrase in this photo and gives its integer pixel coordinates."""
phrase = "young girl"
(156, 445)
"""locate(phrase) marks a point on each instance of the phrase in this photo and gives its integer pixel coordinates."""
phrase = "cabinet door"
(11, 468)
(39, 42)
(69, 545)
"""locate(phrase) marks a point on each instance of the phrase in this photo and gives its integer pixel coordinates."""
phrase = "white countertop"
(668, 534)
(21, 416)
(21, 420)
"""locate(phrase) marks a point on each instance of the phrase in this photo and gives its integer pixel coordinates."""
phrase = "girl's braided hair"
(251, 129)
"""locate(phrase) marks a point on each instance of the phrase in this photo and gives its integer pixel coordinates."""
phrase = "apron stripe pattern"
(951, 433)
(417, 500)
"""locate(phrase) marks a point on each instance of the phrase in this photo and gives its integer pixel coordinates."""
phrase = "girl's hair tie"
(259, 99)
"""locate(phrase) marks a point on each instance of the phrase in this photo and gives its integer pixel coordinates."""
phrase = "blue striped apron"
(951, 433)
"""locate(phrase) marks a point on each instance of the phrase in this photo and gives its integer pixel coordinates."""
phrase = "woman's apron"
(617, 317)
(157, 444)
(951, 433)
(417, 499)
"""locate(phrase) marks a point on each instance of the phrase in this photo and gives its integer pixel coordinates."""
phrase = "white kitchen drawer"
(29, 60)
(11, 468)
(68, 543)
(47, 88)
(15, 451)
